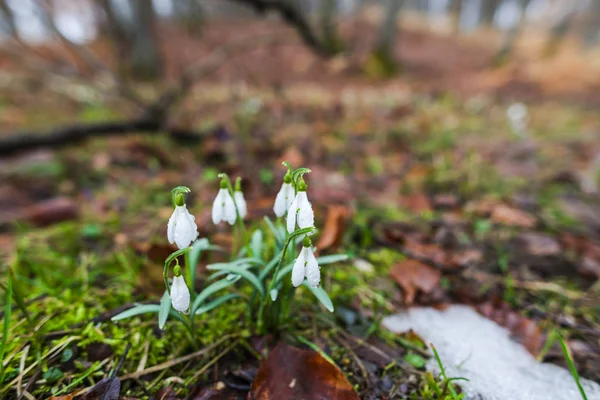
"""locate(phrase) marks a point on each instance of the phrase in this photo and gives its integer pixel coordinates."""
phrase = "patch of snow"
(473, 347)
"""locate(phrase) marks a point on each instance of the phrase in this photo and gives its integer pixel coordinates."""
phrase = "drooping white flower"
(518, 115)
(284, 199)
(240, 202)
(300, 212)
(180, 294)
(182, 228)
(223, 208)
(306, 265)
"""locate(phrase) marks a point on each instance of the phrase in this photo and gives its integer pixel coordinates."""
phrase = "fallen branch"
(291, 14)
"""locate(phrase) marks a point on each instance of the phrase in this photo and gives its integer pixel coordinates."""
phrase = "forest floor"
(427, 188)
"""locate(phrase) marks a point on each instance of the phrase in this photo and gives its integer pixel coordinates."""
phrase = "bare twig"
(294, 16)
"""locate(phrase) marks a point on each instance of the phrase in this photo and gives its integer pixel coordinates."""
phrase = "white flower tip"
(180, 295)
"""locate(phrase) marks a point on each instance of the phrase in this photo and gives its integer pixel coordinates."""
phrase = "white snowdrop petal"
(241, 204)
(171, 226)
(217, 209)
(284, 199)
(298, 270)
(313, 271)
(291, 216)
(229, 210)
(186, 230)
(180, 294)
(306, 216)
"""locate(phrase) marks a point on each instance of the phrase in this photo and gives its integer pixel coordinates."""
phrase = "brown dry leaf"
(413, 275)
(523, 329)
(292, 373)
(51, 211)
(430, 251)
(417, 202)
(335, 226)
(66, 397)
(540, 245)
(503, 214)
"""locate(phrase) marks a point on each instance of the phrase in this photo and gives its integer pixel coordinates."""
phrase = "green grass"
(572, 368)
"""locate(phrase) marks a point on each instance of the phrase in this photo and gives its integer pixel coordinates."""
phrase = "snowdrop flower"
(240, 201)
(180, 294)
(181, 228)
(306, 265)
(517, 115)
(300, 210)
(223, 206)
(285, 197)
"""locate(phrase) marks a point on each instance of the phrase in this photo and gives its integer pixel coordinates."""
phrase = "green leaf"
(176, 254)
(266, 270)
(256, 243)
(321, 295)
(283, 273)
(248, 275)
(137, 310)
(53, 375)
(7, 312)
(163, 312)
(331, 259)
(275, 231)
(572, 368)
(216, 303)
(209, 290)
(67, 354)
(415, 360)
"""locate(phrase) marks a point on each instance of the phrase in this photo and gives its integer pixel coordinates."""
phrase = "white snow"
(478, 349)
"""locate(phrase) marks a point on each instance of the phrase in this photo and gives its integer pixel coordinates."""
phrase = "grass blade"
(163, 311)
(572, 368)
(7, 312)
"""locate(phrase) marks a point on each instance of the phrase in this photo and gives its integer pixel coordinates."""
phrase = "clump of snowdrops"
(273, 272)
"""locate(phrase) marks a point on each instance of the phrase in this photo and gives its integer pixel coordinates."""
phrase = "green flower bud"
(238, 184)
(287, 178)
(301, 185)
(179, 199)
(224, 183)
(306, 242)
(177, 270)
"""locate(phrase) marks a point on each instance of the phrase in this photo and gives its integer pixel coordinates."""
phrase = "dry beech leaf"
(292, 373)
(417, 202)
(335, 225)
(503, 214)
(412, 276)
(523, 329)
(51, 211)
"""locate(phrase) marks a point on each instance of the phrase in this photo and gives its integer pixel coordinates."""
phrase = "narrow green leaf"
(275, 231)
(7, 313)
(237, 270)
(299, 172)
(268, 268)
(137, 310)
(331, 259)
(321, 295)
(256, 243)
(572, 368)
(209, 290)
(216, 303)
(163, 312)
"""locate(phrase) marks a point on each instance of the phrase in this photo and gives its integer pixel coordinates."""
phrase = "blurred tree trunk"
(144, 58)
(592, 27)
(331, 39)
(511, 37)
(8, 20)
(456, 9)
(557, 34)
(189, 15)
(114, 28)
(488, 11)
(382, 62)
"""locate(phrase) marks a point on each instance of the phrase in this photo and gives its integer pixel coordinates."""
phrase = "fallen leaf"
(412, 276)
(51, 211)
(418, 203)
(506, 215)
(292, 373)
(523, 329)
(540, 245)
(335, 226)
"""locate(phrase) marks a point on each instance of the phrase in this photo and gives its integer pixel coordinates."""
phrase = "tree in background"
(331, 39)
(383, 63)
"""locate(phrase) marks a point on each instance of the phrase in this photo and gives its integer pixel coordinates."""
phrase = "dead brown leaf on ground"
(523, 329)
(413, 276)
(292, 373)
(335, 226)
(51, 211)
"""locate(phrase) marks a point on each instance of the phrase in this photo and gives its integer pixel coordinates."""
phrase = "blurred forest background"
(454, 153)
